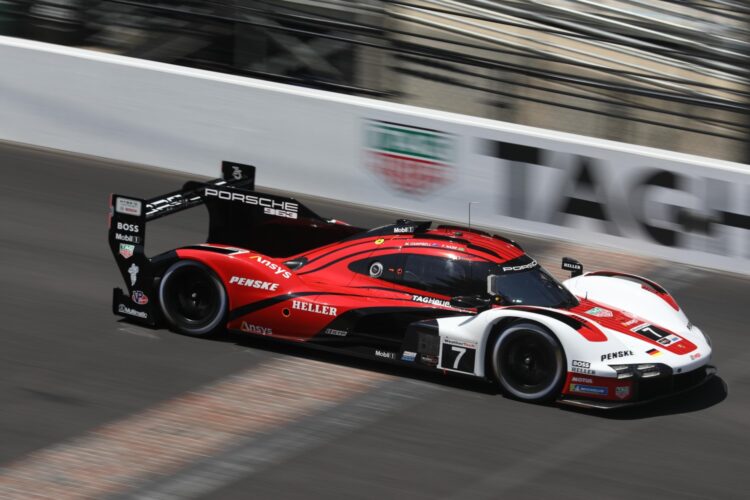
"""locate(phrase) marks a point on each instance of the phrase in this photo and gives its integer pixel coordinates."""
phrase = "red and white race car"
(448, 298)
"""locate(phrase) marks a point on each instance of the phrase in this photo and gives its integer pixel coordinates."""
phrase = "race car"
(448, 299)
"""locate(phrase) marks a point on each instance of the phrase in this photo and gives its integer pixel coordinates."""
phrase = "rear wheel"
(529, 363)
(192, 299)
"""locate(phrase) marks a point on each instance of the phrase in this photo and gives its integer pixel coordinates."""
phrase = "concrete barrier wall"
(419, 161)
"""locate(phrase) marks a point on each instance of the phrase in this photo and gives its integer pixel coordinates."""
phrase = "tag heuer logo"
(126, 250)
(409, 159)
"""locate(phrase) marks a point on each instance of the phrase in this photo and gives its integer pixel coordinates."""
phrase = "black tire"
(192, 299)
(529, 363)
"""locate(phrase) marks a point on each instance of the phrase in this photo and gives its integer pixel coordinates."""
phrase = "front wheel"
(529, 363)
(192, 299)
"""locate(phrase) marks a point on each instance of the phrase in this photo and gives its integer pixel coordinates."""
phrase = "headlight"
(623, 371)
(643, 370)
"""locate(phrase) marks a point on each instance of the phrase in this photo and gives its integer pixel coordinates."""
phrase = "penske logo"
(261, 285)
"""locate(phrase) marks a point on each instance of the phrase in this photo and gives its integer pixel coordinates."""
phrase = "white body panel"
(583, 355)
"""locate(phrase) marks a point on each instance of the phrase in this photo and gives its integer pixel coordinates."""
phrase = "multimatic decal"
(262, 304)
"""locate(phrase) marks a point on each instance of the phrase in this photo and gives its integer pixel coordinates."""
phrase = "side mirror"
(572, 265)
(492, 290)
(471, 302)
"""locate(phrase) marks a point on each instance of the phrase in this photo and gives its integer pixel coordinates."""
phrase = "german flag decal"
(653, 352)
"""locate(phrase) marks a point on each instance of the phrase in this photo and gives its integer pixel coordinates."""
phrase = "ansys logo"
(411, 160)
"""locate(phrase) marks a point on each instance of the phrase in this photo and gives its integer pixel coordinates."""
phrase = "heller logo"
(412, 160)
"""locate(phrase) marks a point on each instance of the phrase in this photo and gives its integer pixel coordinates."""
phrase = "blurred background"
(96, 407)
(669, 74)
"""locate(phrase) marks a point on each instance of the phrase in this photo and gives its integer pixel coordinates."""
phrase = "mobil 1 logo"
(458, 355)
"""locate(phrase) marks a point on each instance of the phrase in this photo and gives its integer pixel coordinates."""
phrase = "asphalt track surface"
(246, 418)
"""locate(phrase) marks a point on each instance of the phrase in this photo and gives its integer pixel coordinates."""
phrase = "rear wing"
(270, 224)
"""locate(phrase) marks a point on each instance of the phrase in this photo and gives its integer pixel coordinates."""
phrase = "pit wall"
(413, 160)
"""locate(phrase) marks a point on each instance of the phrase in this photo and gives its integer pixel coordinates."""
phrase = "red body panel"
(267, 297)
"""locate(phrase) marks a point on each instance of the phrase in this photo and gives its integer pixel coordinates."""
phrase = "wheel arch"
(496, 320)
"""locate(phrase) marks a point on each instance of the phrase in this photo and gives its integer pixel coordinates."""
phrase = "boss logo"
(132, 228)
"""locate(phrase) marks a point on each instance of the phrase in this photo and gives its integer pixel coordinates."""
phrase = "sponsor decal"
(653, 352)
(430, 300)
(617, 354)
(126, 250)
(411, 160)
(408, 356)
(139, 297)
(520, 268)
(313, 308)
(250, 283)
(385, 354)
(379, 241)
(128, 206)
(128, 238)
(622, 392)
(270, 206)
(631, 322)
(589, 389)
(695, 356)
(460, 343)
(656, 202)
(259, 330)
(130, 228)
(433, 244)
(336, 333)
(405, 229)
(453, 247)
(669, 340)
(572, 266)
(599, 312)
(583, 367)
(582, 380)
(123, 309)
(277, 269)
(236, 172)
(133, 272)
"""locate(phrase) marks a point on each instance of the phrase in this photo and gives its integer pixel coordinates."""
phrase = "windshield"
(523, 281)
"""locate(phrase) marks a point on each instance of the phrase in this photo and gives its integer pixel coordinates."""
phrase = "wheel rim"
(528, 362)
(196, 300)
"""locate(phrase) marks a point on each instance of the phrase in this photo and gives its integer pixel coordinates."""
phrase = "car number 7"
(461, 351)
